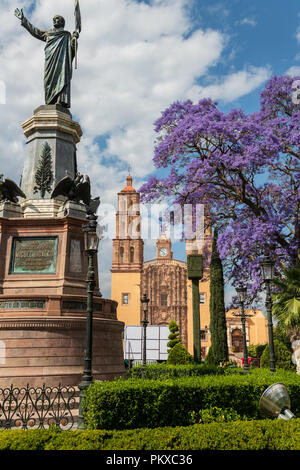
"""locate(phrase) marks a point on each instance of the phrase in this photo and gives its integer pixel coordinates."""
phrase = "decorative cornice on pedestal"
(45, 208)
(17, 324)
(52, 119)
(55, 324)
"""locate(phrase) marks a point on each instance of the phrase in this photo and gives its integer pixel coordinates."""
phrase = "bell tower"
(128, 246)
(163, 248)
(128, 255)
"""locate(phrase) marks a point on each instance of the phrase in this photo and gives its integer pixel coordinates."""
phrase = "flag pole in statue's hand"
(76, 36)
(77, 29)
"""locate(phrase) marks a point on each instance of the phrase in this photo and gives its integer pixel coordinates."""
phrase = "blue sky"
(136, 58)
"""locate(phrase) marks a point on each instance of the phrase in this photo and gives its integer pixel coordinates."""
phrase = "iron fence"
(37, 408)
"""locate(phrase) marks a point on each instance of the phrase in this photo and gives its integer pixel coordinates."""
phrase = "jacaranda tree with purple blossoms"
(244, 167)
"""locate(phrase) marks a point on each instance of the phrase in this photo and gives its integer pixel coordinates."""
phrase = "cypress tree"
(218, 328)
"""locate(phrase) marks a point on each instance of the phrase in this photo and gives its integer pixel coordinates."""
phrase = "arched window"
(131, 254)
(237, 340)
(121, 254)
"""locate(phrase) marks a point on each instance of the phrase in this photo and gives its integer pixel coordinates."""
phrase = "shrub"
(255, 350)
(210, 358)
(179, 355)
(283, 356)
(174, 334)
(239, 435)
(135, 403)
(163, 371)
(215, 415)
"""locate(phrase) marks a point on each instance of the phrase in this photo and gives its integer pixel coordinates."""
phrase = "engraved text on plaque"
(34, 255)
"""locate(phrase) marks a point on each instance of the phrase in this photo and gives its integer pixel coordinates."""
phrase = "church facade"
(164, 280)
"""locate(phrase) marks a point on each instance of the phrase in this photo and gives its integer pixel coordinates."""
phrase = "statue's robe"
(59, 54)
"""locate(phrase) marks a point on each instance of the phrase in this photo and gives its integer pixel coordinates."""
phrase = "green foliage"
(281, 335)
(135, 403)
(218, 326)
(174, 335)
(286, 303)
(238, 435)
(283, 356)
(163, 371)
(179, 355)
(255, 350)
(210, 358)
(215, 415)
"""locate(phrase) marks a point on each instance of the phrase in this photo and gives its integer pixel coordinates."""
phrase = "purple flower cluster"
(245, 168)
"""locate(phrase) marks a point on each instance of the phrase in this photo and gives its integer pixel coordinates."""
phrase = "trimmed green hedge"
(251, 435)
(162, 371)
(134, 403)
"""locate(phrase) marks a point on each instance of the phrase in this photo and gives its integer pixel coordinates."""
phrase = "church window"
(164, 299)
(131, 254)
(121, 254)
(237, 340)
(125, 298)
(203, 335)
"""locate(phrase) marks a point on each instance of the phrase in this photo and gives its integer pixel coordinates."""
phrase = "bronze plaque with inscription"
(34, 255)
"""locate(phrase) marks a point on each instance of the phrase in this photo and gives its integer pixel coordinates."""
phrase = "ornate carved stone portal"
(164, 281)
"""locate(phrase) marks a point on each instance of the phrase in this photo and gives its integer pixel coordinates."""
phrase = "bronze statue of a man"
(60, 51)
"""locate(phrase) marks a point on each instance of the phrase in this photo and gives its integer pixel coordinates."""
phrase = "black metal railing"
(37, 408)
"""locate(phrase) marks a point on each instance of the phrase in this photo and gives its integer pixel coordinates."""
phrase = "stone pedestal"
(41, 208)
(43, 306)
(50, 350)
(43, 257)
(43, 271)
(53, 126)
(10, 210)
(72, 209)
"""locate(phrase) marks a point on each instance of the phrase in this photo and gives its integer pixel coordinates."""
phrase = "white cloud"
(233, 86)
(293, 71)
(248, 21)
(134, 60)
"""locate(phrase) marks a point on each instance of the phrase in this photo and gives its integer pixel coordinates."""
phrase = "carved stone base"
(72, 209)
(41, 208)
(51, 351)
(10, 210)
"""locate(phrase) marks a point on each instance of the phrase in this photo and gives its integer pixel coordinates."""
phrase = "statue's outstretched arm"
(37, 33)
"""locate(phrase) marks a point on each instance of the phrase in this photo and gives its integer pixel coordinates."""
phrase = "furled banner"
(77, 17)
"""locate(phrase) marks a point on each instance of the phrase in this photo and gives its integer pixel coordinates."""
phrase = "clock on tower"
(163, 251)
(163, 245)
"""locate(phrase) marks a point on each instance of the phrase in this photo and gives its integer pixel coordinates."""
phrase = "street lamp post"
(145, 300)
(91, 244)
(242, 295)
(267, 267)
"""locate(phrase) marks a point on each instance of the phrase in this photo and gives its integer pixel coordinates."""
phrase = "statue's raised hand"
(19, 13)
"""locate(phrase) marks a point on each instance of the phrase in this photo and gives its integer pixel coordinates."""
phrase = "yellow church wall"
(258, 329)
(127, 283)
(256, 326)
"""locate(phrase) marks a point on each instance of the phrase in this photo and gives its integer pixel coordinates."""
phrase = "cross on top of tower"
(129, 186)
